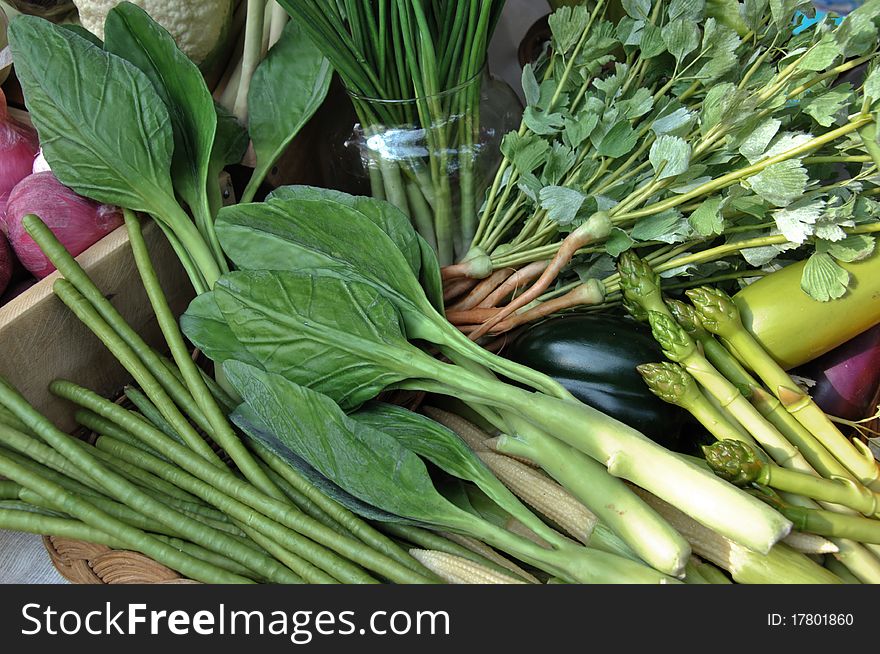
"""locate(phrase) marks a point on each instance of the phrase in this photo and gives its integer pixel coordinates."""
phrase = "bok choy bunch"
(309, 308)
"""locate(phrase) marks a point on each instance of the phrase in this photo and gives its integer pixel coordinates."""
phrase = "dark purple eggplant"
(848, 377)
(594, 357)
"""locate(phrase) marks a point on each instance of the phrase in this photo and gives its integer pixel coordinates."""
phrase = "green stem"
(221, 431)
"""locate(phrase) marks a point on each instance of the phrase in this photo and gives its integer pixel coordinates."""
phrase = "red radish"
(18, 148)
(7, 263)
(76, 221)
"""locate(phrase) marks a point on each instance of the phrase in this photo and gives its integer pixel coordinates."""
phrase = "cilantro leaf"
(618, 242)
(780, 183)
(822, 55)
(541, 122)
(527, 152)
(827, 107)
(707, 220)
(797, 221)
(562, 204)
(531, 88)
(854, 247)
(755, 144)
(823, 279)
(670, 156)
(618, 141)
(681, 38)
(638, 9)
(566, 26)
(668, 227)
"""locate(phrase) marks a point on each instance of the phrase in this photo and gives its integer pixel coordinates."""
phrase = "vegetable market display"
(348, 421)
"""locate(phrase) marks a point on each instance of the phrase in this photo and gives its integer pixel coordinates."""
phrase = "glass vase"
(433, 156)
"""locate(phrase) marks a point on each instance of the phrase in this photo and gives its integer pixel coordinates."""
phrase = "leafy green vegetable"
(286, 91)
(251, 424)
(86, 131)
(341, 338)
(130, 33)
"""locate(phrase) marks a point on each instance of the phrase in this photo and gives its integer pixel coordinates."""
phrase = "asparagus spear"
(742, 464)
(720, 316)
(680, 347)
(766, 404)
(823, 522)
(672, 383)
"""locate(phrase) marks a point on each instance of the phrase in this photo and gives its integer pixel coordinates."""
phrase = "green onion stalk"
(414, 73)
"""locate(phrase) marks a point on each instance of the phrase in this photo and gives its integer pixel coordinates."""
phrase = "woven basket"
(87, 563)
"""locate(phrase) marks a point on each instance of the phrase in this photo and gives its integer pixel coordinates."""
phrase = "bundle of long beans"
(413, 69)
(154, 484)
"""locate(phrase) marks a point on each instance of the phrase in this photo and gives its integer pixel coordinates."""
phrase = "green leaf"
(629, 31)
(363, 461)
(86, 104)
(667, 227)
(653, 43)
(671, 122)
(81, 31)
(342, 338)
(719, 101)
(638, 105)
(854, 247)
(681, 38)
(686, 10)
(669, 156)
(618, 242)
(857, 34)
(304, 233)
(566, 26)
(130, 33)
(756, 143)
(610, 85)
(287, 89)
(780, 183)
(207, 329)
(871, 88)
(707, 220)
(826, 108)
(230, 143)
(638, 9)
(429, 275)
(823, 279)
(531, 88)
(384, 215)
(577, 130)
(444, 449)
(562, 204)
(821, 55)
(797, 221)
(541, 122)
(618, 141)
(246, 419)
(559, 162)
(527, 152)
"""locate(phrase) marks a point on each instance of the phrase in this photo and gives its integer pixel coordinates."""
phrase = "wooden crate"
(41, 340)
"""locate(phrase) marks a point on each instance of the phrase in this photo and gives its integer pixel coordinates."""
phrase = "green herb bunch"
(702, 131)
